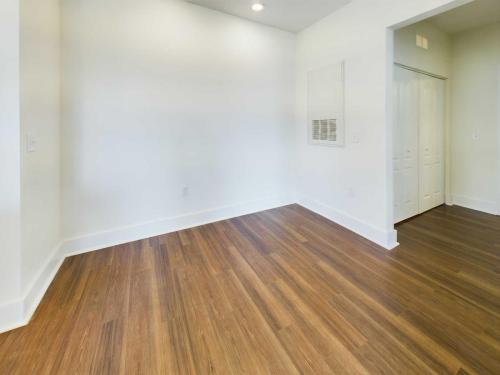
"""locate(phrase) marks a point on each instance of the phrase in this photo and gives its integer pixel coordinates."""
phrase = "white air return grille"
(326, 105)
(324, 130)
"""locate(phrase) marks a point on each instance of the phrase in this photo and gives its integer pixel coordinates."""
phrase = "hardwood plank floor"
(279, 292)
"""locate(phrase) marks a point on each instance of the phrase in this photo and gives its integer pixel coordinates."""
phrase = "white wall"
(161, 95)
(436, 59)
(10, 163)
(476, 58)
(29, 183)
(40, 111)
(353, 185)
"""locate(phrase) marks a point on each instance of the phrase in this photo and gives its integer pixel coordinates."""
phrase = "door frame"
(389, 107)
(498, 140)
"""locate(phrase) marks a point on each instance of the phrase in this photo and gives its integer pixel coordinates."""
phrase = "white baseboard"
(476, 204)
(149, 229)
(386, 239)
(12, 316)
(41, 282)
(19, 312)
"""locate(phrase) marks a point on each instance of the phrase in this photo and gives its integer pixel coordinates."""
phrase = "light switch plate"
(30, 142)
(419, 40)
(425, 43)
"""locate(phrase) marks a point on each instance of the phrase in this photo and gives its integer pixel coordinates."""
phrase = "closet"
(418, 162)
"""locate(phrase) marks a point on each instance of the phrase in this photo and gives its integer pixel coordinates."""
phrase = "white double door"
(419, 174)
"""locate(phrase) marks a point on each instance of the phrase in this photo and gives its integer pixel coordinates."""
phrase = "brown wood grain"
(283, 291)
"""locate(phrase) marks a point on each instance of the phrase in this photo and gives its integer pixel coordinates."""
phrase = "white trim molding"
(36, 290)
(117, 236)
(498, 141)
(489, 207)
(386, 239)
(12, 316)
(18, 313)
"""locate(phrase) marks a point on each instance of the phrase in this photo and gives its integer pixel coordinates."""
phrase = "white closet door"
(405, 137)
(431, 139)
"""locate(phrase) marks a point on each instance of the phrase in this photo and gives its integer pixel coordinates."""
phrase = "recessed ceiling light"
(257, 7)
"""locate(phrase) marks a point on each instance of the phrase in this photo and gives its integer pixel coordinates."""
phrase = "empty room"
(250, 187)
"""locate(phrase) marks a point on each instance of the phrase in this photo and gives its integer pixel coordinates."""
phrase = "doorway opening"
(446, 115)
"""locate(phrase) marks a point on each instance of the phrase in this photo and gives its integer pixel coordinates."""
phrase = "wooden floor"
(279, 292)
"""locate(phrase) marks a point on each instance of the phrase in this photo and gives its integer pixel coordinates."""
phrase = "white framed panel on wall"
(325, 105)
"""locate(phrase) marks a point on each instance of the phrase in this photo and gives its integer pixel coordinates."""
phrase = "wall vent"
(324, 130)
(326, 106)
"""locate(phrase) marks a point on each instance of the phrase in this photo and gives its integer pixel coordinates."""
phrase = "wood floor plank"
(283, 291)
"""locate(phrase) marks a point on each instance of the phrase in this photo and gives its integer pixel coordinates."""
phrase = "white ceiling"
(290, 15)
(475, 14)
